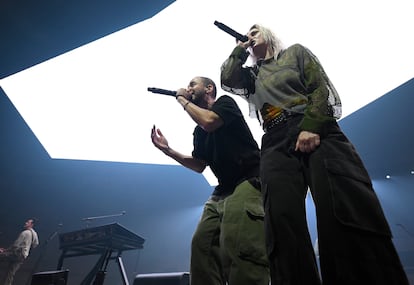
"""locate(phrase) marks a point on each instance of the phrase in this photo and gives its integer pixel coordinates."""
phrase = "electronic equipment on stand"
(108, 241)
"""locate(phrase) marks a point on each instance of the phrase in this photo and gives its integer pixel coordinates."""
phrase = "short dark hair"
(34, 220)
(207, 81)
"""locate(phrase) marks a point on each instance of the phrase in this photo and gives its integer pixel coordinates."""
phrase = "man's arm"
(35, 240)
(206, 119)
(190, 162)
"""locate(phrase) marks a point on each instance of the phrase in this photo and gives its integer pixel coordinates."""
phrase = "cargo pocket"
(355, 203)
(252, 236)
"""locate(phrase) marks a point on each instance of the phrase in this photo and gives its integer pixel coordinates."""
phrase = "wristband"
(185, 105)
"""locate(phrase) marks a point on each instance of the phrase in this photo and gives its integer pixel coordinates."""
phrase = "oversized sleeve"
(324, 104)
(235, 78)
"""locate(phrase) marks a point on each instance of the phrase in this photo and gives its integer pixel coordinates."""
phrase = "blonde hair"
(275, 44)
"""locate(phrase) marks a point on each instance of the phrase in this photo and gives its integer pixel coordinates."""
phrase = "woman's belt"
(279, 119)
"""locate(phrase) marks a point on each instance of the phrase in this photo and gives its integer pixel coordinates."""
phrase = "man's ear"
(209, 88)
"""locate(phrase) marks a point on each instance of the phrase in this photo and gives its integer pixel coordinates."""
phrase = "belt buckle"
(276, 121)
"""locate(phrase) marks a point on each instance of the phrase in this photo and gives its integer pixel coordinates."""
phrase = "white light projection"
(92, 103)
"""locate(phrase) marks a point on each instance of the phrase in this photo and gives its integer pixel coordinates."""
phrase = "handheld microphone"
(162, 91)
(231, 32)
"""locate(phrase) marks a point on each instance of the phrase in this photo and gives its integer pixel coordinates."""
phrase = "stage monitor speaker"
(59, 277)
(174, 278)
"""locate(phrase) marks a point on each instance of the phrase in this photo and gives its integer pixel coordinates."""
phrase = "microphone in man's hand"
(162, 91)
